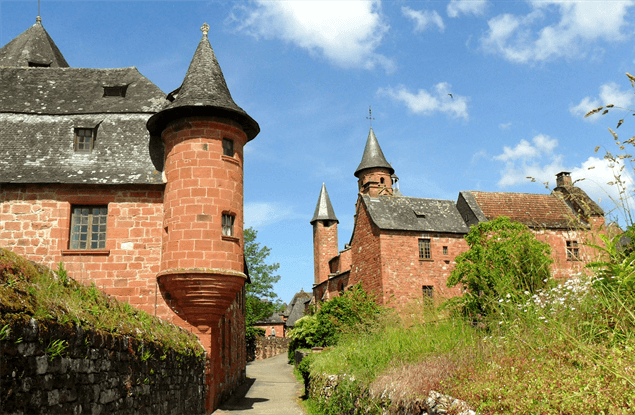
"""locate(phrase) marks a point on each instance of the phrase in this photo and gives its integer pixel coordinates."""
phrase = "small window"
(88, 227)
(115, 91)
(84, 140)
(573, 252)
(428, 292)
(424, 249)
(445, 250)
(228, 225)
(228, 147)
(39, 65)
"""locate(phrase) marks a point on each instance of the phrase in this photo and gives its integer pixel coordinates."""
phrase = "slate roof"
(76, 91)
(272, 319)
(324, 209)
(295, 310)
(533, 210)
(204, 92)
(415, 214)
(40, 109)
(33, 45)
(579, 200)
(373, 156)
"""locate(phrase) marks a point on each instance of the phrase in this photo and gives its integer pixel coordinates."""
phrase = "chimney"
(563, 179)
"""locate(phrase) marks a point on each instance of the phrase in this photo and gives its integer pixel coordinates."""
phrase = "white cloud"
(424, 102)
(260, 215)
(475, 7)
(346, 33)
(527, 38)
(423, 18)
(610, 93)
(542, 144)
(505, 126)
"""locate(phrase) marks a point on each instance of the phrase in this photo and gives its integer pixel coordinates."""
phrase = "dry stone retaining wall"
(270, 346)
(97, 373)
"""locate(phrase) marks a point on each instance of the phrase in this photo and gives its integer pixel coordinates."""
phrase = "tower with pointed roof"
(324, 236)
(32, 48)
(374, 173)
(202, 267)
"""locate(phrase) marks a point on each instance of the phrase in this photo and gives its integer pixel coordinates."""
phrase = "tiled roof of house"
(204, 92)
(373, 156)
(533, 210)
(35, 46)
(40, 108)
(579, 200)
(415, 214)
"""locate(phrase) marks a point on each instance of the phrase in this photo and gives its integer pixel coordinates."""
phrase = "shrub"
(505, 260)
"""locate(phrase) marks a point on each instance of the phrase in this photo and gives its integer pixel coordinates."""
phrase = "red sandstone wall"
(404, 273)
(324, 249)
(376, 188)
(366, 255)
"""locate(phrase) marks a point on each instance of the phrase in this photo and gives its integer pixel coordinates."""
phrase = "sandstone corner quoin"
(136, 191)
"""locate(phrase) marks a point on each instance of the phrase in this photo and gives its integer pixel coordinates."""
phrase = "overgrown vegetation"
(31, 290)
(559, 349)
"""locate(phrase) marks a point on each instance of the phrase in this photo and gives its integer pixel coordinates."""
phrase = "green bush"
(505, 260)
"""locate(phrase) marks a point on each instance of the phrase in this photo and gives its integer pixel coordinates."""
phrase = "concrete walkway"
(270, 389)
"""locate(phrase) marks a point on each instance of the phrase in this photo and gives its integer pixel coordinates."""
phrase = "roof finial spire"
(370, 116)
(205, 29)
(38, 19)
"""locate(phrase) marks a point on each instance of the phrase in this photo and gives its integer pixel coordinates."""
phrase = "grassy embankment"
(30, 291)
(566, 350)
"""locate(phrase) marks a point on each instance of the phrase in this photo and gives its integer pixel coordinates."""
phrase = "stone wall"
(270, 346)
(96, 373)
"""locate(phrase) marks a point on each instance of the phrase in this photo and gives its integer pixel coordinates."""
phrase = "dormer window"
(39, 65)
(84, 140)
(115, 91)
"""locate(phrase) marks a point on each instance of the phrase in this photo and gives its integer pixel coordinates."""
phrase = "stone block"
(41, 365)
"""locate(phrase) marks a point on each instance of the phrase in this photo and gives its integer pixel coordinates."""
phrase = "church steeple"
(324, 209)
(374, 172)
(33, 47)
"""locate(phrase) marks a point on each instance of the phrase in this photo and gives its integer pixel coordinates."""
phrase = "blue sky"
(522, 74)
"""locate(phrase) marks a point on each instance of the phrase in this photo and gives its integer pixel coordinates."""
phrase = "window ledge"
(230, 238)
(426, 260)
(231, 160)
(93, 252)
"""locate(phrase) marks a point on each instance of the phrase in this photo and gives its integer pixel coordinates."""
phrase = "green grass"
(569, 350)
(30, 290)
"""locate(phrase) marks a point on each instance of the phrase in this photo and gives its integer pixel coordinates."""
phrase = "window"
(445, 250)
(428, 292)
(39, 65)
(88, 227)
(228, 225)
(115, 91)
(228, 147)
(424, 249)
(84, 140)
(573, 252)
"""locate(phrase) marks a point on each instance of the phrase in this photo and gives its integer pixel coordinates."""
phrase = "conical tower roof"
(373, 156)
(203, 92)
(34, 45)
(324, 209)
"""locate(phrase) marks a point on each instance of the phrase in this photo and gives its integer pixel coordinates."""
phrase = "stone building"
(136, 191)
(404, 248)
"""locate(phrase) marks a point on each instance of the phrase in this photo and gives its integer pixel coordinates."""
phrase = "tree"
(261, 301)
(505, 260)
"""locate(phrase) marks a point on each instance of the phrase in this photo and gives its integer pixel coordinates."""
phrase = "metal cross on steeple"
(370, 116)
(205, 29)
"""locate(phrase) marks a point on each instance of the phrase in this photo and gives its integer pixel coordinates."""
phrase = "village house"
(136, 191)
(404, 248)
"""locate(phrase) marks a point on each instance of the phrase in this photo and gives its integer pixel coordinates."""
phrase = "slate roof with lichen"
(204, 92)
(34, 45)
(415, 214)
(373, 157)
(533, 210)
(295, 309)
(41, 107)
(324, 209)
(579, 201)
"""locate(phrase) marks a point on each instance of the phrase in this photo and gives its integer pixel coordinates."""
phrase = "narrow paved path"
(271, 389)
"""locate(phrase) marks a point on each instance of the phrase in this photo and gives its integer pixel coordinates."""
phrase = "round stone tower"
(202, 263)
(374, 173)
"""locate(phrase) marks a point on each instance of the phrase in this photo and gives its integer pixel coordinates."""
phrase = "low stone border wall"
(96, 373)
(322, 388)
(271, 346)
